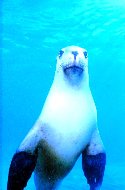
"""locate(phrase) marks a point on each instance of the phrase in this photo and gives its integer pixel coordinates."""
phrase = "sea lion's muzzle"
(73, 69)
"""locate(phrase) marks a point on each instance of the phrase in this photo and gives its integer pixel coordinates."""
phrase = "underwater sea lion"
(65, 129)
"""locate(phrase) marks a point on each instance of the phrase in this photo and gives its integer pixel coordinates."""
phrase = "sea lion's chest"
(69, 121)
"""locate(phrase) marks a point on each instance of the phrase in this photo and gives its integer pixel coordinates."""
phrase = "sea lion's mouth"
(73, 69)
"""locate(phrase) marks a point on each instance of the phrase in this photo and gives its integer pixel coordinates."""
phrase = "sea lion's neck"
(74, 83)
(66, 95)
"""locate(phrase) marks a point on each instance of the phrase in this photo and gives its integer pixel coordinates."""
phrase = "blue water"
(32, 34)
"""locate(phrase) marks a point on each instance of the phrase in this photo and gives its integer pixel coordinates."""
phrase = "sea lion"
(65, 129)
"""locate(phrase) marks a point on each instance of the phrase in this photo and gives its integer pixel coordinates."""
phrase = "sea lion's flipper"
(24, 160)
(93, 162)
(21, 168)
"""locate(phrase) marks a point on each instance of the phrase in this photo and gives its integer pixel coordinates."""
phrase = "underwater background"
(32, 34)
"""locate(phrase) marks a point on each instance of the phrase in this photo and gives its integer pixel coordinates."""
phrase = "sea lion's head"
(72, 62)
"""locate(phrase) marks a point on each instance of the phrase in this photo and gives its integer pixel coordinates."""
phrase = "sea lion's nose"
(75, 53)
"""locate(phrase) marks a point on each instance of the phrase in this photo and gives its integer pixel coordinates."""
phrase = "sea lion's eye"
(85, 54)
(60, 53)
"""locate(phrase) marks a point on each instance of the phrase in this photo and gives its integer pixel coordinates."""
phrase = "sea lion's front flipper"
(21, 168)
(93, 161)
(24, 161)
